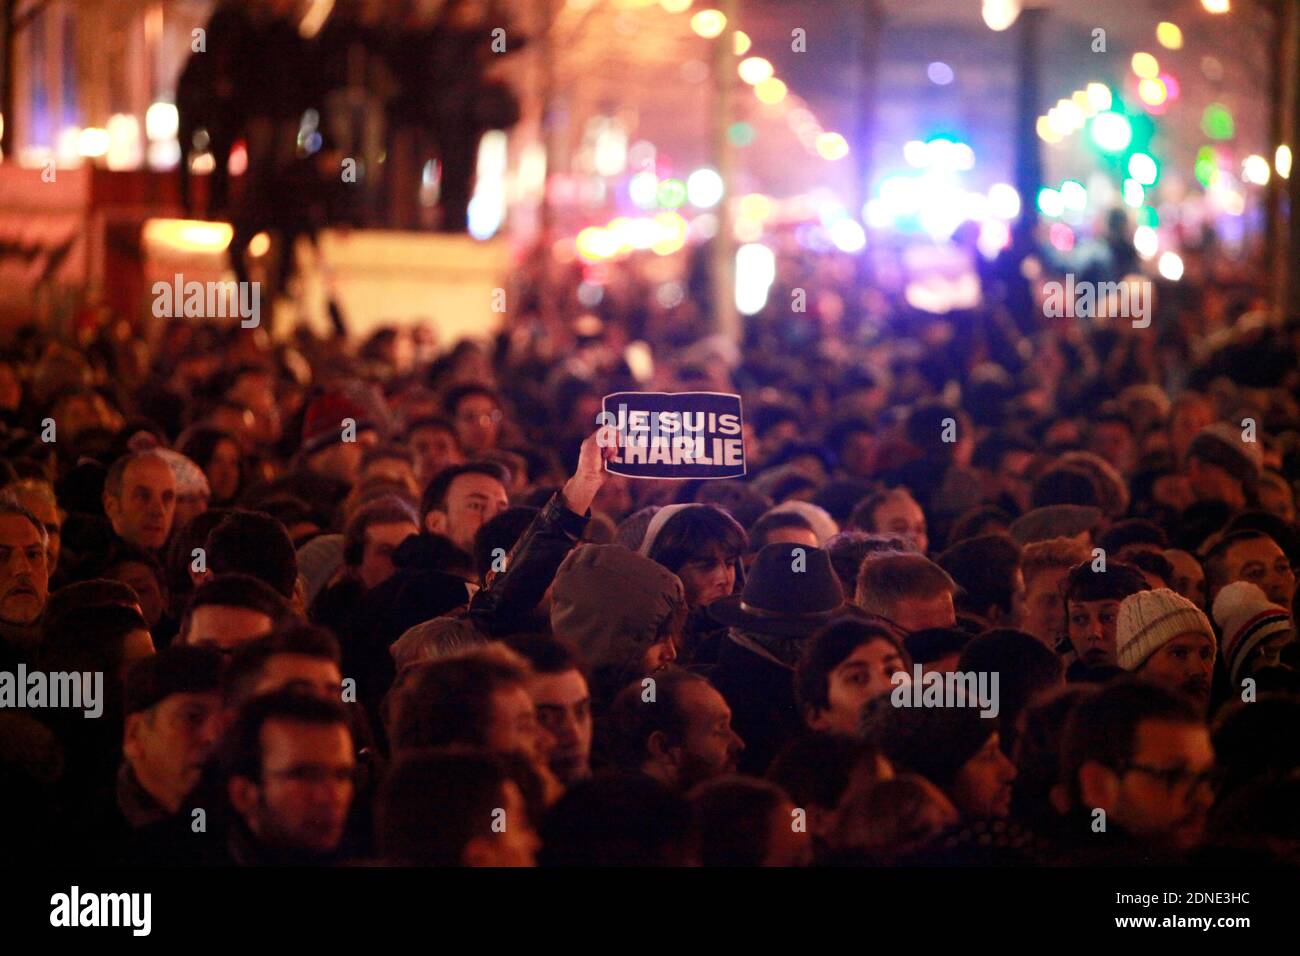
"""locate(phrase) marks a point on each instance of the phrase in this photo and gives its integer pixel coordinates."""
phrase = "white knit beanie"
(1246, 617)
(1148, 620)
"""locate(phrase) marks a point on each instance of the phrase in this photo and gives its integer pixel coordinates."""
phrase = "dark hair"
(924, 428)
(546, 655)
(385, 510)
(1132, 531)
(237, 590)
(816, 769)
(435, 495)
(199, 444)
(976, 522)
(692, 532)
(435, 801)
(385, 451)
(1153, 563)
(828, 648)
(838, 433)
(253, 543)
(786, 482)
(931, 643)
(458, 393)
(791, 450)
(863, 517)
(743, 502)
(119, 553)
(1065, 485)
(88, 638)
(1103, 727)
(984, 567)
(291, 510)
(1257, 739)
(291, 638)
(630, 721)
(1117, 582)
(767, 417)
(733, 817)
(1025, 665)
(1038, 753)
(440, 422)
(990, 451)
(774, 521)
(839, 496)
(241, 751)
(1216, 559)
(502, 532)
(180, 553)
(80, 595)
(848, 549)
(449, 701)
(617, 819)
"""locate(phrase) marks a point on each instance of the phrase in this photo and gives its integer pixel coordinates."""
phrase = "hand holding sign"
(597, 448)
(681, 435)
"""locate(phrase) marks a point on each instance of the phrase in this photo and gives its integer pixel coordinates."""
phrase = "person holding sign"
(681, 435)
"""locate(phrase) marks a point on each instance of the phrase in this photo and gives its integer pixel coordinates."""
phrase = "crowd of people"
(381, 602)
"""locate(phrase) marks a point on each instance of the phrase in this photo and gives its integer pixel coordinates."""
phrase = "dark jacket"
(760, 692)
(508, 604)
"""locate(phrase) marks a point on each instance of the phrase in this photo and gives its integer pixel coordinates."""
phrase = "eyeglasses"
(1176, 778)
(312, 775)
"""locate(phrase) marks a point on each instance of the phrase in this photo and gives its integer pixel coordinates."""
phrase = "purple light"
(940, 73)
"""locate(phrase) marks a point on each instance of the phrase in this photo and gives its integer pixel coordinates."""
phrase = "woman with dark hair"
(218, 454)
(705, 547)
(702, 545)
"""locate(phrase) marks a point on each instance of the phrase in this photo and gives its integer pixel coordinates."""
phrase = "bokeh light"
(1111, 131)
(754, 70)
(771, 91)
(940, 73)
(832, 146)
(1143, 168)
(1171, 266)
(704, 188)
(709, 23)
(1145, 65)
(1216, 122)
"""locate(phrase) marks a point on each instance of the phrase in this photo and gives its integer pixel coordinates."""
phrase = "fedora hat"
(791, 590)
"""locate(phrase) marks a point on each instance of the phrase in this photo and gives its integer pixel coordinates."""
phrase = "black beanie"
(184, 669)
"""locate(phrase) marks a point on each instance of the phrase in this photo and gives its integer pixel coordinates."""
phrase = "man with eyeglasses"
(1136, 767)
(289, 770)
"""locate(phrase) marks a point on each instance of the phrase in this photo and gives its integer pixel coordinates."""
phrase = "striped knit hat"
(1148, 620)
(1246, 618)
